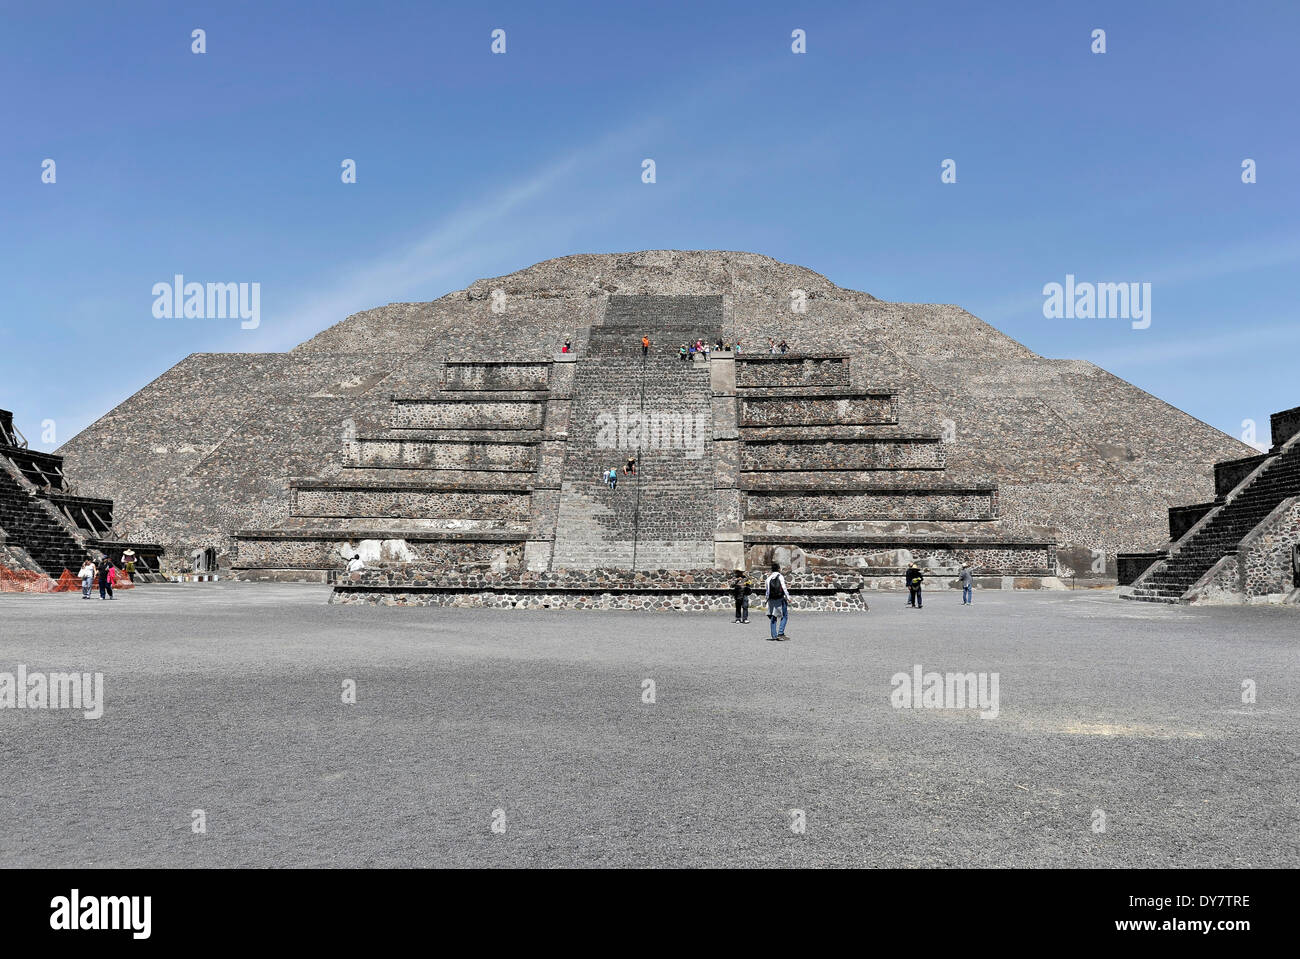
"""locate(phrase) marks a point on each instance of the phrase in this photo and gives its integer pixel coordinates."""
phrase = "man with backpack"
(778, 602)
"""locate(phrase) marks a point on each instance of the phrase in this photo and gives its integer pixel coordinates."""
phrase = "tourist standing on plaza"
(87, 577)
(107, 577)
(741, 588)
(914, 579)
(778, 601)
(645, 345)
(966, 584)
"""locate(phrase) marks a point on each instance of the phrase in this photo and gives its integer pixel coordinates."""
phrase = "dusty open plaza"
(1121, 737)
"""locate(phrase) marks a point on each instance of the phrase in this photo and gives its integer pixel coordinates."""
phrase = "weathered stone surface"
(495, 375)
(461, 413)
(937, 504)
(318, 553)
(785, 369)
(767, 409)
(870, 453)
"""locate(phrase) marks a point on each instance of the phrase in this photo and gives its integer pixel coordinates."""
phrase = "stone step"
(666, 512)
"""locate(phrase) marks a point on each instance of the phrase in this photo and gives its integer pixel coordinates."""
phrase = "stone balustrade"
(416, 584)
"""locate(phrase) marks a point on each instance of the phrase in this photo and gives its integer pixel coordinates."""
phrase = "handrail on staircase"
(640, 467)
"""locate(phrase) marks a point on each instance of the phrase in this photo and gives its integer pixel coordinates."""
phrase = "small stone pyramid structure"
(1241, 547)
(47, 524)
(457, 432)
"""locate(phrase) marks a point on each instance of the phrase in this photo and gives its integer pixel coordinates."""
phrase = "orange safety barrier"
(26, 581)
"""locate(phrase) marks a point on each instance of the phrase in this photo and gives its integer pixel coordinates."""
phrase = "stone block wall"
(1000, 559)
(788, 369)
(412, 503)
(705, 590)
(769, 410)
(1266, 556)
(285, 552)
(896, 505)
(466, 415)
(884, 453)
(1129, 566)
(678, 315)
(1285, 425)
(1229, 473)
(446, 454)
(1183, 518)
(495, 375)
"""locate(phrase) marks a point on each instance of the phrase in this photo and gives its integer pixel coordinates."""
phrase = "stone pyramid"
(458, 432)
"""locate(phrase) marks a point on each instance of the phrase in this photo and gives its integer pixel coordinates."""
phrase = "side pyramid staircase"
(1242, 544)
(44, 525)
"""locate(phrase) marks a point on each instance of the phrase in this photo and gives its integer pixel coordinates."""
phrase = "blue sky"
(225, 166)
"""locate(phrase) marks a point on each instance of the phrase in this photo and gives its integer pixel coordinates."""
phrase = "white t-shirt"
(355, 565)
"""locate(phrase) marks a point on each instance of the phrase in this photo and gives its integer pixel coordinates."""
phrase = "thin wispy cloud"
(1256, 342)
(475, 235)
(1245, 258)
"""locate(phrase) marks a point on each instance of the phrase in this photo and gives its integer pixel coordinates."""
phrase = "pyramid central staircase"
(658, 409)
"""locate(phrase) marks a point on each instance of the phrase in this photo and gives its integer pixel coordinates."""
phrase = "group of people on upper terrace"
(688, 351)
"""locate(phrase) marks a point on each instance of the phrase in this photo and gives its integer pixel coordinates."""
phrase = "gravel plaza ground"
(226, 697)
